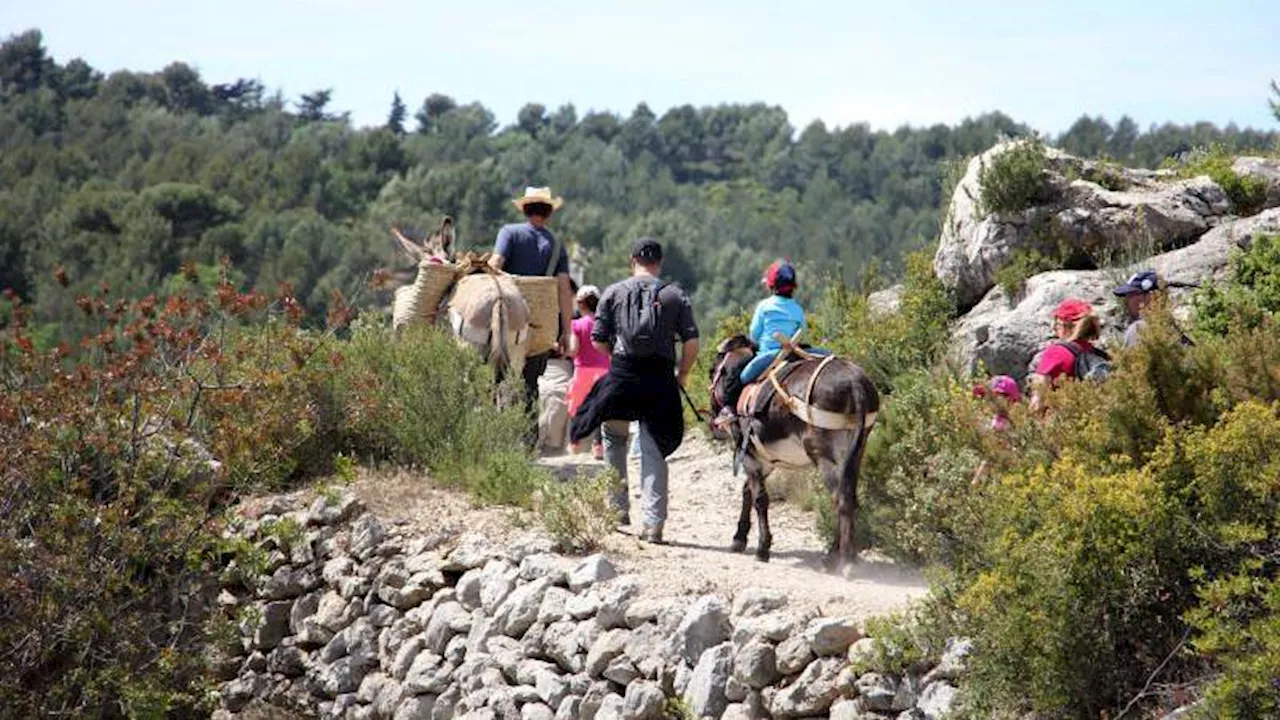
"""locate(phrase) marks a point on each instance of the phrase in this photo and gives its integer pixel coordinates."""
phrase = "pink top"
(588, 355)
(1058, 361)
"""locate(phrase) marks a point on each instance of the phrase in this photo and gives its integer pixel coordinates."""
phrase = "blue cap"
(1144, 281)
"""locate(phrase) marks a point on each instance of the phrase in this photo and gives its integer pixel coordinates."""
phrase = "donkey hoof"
(738, 546)
(762, 555)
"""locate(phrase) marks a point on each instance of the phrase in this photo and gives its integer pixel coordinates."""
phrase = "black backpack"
(641, 328)
(1094, 364)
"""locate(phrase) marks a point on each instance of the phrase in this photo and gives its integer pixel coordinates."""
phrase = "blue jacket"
(775, 314)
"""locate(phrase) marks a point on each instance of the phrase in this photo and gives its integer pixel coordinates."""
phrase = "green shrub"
(887, 345)
(577, 512)
(1015, 179)
(909, 638)
(1023, 264)
(1252, 289)
(1247, 193)
(422, 400)
(1231, 474)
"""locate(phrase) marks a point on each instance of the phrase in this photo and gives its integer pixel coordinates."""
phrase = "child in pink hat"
(1004, 392)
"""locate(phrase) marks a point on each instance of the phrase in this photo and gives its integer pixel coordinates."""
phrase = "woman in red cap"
(1077, 329)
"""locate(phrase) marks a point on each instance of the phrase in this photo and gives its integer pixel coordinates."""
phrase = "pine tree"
(395, 120)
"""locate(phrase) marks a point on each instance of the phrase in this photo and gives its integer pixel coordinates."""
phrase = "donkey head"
(438, 246)
(731, 356)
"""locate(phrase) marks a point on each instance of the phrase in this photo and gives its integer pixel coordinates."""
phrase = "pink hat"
(1006, 386)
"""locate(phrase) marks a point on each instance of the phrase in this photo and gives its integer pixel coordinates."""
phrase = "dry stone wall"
(355, 619)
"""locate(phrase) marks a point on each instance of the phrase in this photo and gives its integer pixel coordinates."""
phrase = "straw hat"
(538, 195)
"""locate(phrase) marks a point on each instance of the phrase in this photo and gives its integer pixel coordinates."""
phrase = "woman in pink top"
(1076, 328)
(589, 364)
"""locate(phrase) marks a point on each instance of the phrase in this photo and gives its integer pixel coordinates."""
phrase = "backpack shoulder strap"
(555, 256)
(1073, 347)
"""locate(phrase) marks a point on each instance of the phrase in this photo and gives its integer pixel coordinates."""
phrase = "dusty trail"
(703, 513)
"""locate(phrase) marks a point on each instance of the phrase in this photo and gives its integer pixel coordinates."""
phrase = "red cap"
(1072, 309)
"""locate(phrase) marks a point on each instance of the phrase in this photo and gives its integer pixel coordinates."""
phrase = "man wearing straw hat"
(529, 248)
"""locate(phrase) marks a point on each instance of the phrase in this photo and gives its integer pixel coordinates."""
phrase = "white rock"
(608, 646)
(520, 609)
(705, 693)
(594, 569)
(419, 707)
(811, 694)
(831, 636)
(705, 625)
(774, 627)
(937, 699)
(581, 607)
(405, 656)
(615, 597)
(610, 708)
(877, 691)
(955, 660)
(553, 607)
(755, 665)
(643, 701)
(367, 533)
(303, 608)
(500, 580)
(473, 550)
(543, 565)
(755, 601)
(273, 625)
(793, 655)
(536, 711)
(621, 671)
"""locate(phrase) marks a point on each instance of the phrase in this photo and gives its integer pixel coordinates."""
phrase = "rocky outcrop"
(356, 619)
(1265, 169)
(1091, 215)
(1003, 334)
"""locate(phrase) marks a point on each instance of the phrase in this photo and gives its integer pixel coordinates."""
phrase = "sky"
(883, 63)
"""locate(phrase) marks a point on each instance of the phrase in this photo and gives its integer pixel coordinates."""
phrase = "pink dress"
(589, 364)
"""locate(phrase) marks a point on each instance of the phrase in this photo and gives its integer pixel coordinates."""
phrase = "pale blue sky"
(886, 63)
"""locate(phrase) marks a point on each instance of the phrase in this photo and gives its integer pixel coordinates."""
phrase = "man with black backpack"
(638, 322)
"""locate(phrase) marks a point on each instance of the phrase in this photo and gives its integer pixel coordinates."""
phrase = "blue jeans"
(762, 360)
(653, 472)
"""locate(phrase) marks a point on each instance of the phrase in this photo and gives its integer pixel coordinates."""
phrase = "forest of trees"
(123, 178)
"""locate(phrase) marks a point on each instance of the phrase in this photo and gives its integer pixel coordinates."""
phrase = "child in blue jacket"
(778, 313)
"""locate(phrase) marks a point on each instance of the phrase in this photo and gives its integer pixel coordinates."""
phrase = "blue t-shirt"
(527, 250)
(775, 314)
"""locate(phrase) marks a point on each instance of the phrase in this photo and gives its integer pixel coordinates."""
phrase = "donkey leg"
(744, 519)
(848, 508)
(765, 540)
(831, 481)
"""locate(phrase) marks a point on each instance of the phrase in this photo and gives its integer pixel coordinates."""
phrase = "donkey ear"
(447, 235)
(407, 246)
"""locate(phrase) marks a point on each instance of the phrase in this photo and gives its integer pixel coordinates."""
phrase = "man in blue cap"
(1136, 294)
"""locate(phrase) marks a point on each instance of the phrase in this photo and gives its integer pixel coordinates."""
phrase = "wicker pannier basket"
(421, 300)
(542, 295)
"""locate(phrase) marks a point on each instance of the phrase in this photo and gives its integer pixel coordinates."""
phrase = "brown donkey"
(821, 418)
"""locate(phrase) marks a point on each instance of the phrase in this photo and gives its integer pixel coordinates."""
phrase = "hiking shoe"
(652, 534)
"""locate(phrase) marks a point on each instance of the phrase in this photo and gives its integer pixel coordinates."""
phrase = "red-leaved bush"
(117, 456)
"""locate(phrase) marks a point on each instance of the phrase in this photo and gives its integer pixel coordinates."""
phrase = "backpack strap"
(555, 256)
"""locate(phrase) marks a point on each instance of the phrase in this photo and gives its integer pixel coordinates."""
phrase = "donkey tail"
(499, 355)
(864, 420)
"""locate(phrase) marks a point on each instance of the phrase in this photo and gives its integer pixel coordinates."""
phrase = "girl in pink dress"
(589, 364)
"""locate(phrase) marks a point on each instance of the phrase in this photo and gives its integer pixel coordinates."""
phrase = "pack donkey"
(485, 309)
(812, 412)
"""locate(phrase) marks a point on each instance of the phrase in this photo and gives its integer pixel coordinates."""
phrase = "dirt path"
(703, 513)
